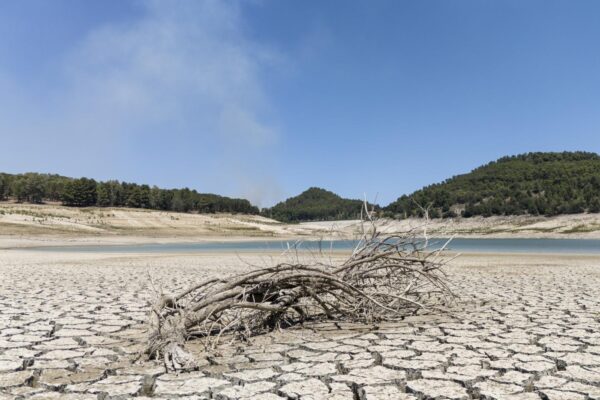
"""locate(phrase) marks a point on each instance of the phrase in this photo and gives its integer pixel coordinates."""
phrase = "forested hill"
(532, 183)
(315, 204)
(84, 192)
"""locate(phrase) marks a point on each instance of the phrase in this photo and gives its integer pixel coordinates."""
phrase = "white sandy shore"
(24, 225)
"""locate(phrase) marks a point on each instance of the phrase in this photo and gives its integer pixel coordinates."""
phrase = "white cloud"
(183, 73)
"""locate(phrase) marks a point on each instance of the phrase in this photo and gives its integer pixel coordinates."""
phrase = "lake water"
(572, 246)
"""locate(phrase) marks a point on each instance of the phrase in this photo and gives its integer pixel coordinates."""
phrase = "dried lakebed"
(526, 327)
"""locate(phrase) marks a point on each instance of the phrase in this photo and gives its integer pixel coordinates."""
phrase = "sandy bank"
(24, 225)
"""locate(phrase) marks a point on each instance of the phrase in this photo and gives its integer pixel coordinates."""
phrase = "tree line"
(533, 183)
(84, 192)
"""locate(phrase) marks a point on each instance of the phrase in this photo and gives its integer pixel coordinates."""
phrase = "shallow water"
(570, 246)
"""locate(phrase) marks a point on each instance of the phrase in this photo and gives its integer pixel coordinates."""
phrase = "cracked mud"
(525, 328)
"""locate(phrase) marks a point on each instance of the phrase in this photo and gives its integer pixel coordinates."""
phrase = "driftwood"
(385, 278)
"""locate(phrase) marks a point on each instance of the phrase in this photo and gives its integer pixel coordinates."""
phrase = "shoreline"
(26, 225)
(41, 243)
(450, 254)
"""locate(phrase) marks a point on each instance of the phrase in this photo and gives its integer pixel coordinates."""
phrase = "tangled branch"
(385, 278)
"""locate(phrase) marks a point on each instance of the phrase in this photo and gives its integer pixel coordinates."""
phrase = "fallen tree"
(385, 278)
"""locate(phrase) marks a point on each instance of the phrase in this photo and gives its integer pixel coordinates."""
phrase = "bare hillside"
(27, 225)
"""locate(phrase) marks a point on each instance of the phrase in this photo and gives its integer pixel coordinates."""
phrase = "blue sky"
(263, 99)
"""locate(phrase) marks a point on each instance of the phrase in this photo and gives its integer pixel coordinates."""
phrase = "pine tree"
(80, 193)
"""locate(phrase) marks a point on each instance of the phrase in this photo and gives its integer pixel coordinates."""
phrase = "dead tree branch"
(384, 279)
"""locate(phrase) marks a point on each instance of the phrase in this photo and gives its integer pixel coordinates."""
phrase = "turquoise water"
(569, 246)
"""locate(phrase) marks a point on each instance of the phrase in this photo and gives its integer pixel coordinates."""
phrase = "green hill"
(315, 204)
(83, 192)
(532, 183)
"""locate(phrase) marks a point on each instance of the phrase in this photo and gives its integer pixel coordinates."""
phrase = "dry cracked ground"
(526, 327)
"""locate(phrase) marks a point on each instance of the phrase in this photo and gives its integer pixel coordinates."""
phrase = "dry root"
(384, 279)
